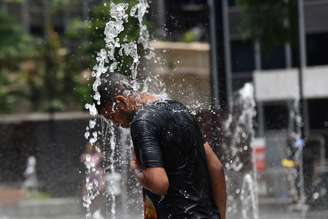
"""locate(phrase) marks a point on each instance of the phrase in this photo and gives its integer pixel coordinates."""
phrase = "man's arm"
(154, 179)
(216, 172)
(148, 165)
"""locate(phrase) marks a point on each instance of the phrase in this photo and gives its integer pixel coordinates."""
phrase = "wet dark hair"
(112, 85)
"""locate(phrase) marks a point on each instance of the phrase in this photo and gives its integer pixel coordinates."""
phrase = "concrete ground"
(71, 209)
(281, 209)
(264, 214)
(271, 213)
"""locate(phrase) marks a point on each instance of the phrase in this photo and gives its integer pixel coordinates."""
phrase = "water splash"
(238, 135)
(107, 62)
(248, 196)
(93, 182)
(139, 11)
(30, 174)
(107, 135)
(238, 127)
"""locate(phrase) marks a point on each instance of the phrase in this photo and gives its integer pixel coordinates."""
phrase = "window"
(242, 56)
(276, 116)
(317, 47)
(318, 113)
(232, 3)
(273, 58)
(187, 16)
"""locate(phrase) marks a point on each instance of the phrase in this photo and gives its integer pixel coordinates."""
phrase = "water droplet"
(245, 148)
(316, 195)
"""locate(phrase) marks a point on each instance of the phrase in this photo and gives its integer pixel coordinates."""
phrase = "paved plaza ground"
(264, 214)
(70, 208)
(71, 211)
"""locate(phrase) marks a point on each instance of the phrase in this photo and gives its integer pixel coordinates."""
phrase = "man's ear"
(122, 101)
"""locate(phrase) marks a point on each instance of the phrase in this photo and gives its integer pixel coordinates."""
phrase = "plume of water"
(238, 134)
(31, 179)
(92, 184)
(107, 62)
(238, 127)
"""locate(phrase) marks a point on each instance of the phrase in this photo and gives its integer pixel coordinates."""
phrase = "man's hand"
(216, 172)
(136, 168)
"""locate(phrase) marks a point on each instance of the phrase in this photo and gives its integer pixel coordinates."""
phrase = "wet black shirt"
(166, 135)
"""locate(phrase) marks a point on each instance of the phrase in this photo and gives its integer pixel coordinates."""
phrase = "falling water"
(31, 179)
(107, 62)
(238, 134)
(108, 141)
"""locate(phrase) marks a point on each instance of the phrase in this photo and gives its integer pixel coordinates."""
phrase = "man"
(182, 176)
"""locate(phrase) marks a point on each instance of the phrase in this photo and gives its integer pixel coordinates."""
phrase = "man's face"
(119, 112)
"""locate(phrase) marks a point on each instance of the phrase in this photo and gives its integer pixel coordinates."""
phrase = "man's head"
(116, 103)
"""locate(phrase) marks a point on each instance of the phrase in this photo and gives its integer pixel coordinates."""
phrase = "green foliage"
(192, 35)
(33, 76)
(55, 78)
(55, 75)
(15, 44)
(7, 99)
(15, 47)
(189, 37)
(13, 1)
(271, 21)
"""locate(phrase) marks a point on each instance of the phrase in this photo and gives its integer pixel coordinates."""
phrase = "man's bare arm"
(216, 172)
(154, 179)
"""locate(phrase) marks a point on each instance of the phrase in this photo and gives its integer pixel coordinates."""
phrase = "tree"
(15, 44)
(53, 78)
(273, 22)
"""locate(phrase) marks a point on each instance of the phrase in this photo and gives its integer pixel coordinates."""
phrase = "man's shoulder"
(159, 110)
(145, 113)
(146, 121)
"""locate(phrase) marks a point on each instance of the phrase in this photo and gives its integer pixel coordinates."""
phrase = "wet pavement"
(288, 214)
(264, 214)
(271, 208)
(71, 209)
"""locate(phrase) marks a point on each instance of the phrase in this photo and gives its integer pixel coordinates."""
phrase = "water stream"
(104, 133)
(238, 133)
